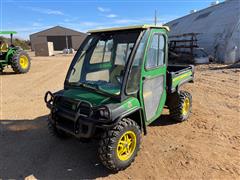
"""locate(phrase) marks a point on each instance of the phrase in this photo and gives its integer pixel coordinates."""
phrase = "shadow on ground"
(7, 73)
(164, 120)
(27, 149)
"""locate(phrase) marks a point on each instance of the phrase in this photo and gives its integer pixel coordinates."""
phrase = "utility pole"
(11, 36)
(66, 40)
(155, 17)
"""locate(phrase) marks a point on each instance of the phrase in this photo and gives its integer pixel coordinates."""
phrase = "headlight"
(104, 112)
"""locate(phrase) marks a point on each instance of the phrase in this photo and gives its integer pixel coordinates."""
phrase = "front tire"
(181, 106)
(20, 62)
(56, 132)
(119, 146)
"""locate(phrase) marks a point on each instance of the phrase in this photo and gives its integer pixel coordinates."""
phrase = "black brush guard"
(70, 116)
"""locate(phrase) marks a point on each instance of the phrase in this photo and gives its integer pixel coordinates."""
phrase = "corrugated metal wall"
(219, 26)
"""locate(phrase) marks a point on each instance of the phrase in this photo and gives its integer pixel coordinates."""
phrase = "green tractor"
(14, 56)
(118, 84)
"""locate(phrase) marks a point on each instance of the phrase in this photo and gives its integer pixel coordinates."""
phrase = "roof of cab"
(145, 26)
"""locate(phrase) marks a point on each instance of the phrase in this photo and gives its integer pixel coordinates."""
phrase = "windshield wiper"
(98, 87)
(78, 84)
(85, 84)
(91, 86)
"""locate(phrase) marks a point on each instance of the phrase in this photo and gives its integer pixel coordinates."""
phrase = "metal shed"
(218, 27)
(61, 38)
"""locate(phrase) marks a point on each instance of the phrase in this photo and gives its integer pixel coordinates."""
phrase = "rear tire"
(119, 146)
(181, 106)
(21, 62)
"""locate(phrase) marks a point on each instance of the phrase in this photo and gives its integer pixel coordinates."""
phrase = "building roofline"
(56, 27)
(199, 11)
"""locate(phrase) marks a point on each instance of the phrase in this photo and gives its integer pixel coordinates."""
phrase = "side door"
(153, 86)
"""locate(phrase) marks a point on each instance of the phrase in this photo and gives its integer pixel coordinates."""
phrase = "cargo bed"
(177, 75)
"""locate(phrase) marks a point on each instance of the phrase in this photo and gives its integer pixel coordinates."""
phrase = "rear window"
(102, 52)
(123, 52)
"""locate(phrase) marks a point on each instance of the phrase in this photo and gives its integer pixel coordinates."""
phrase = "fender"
(138, 114)
(188, 80)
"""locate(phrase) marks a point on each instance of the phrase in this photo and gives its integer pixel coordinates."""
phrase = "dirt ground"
(207, 146)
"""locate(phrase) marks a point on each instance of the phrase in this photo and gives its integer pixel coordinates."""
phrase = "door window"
(156, 52)
(161, 50)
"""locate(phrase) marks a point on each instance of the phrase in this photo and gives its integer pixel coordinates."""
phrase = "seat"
(116, 73)
(4, 47)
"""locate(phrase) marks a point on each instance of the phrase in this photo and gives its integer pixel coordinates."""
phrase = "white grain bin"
(219, 28)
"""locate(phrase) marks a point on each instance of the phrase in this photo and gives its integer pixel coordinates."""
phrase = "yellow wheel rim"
(23, 61)
(186, 106)
(126, 145)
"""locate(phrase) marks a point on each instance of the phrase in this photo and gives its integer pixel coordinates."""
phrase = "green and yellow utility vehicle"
(118, 83)
(14, 56)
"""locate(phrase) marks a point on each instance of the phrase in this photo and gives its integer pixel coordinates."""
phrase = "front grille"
(68, 104)
(71, 107)
(66, 123)
(85, 109)
(69, 112)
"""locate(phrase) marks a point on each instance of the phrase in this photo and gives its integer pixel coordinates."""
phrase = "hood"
(87, 95)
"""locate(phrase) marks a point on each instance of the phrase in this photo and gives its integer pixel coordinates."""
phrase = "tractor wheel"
(119, 146)
(21, 62)
(182, 106)
(56, 132)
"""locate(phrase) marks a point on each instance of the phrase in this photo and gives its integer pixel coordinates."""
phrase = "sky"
(30, 16)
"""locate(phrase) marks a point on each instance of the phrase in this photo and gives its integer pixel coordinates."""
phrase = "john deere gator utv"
(118, 83)
(14, 56)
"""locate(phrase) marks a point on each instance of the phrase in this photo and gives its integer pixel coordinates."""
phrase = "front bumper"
(78, 129)
(73, 117)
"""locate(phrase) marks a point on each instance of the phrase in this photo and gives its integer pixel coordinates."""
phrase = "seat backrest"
(116, 71)
(4, 47)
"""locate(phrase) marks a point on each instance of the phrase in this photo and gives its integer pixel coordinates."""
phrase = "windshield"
(100, 64)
